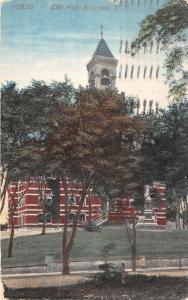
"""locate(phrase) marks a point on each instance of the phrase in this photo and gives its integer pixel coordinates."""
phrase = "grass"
(32, 249)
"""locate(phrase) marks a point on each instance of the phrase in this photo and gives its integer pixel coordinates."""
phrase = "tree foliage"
(164, 152)
(168, 27)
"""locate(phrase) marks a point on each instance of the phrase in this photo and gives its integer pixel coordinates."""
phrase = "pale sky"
(47, 39)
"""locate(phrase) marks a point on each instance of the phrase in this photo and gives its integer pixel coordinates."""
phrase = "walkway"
(35, 280)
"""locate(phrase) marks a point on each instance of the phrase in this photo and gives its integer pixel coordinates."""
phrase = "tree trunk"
(66, 270)
(177, 214)
(133, 248)
(43, 227)
(69, 241)
(4, 186)
(186, 212)
(43, 223)
(89, 219)
(65, 266)
(10, 244)
(13, 207)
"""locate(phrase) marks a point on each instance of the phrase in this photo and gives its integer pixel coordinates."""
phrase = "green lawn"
(32, 249)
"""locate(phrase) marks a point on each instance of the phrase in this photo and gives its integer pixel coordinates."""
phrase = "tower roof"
(103, 50)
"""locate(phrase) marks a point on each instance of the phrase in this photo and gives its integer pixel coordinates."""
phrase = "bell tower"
(102, 67)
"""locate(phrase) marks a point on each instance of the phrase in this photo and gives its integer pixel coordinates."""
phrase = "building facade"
(30, 210)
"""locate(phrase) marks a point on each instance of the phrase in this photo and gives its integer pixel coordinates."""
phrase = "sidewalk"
(35, 280)
(43, 280)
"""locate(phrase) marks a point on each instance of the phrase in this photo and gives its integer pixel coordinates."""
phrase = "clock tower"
(102, 67)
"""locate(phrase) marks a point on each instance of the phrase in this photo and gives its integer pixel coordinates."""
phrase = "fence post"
(180, 263)
(49, 261)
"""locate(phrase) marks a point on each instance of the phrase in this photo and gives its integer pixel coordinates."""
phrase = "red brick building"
(29, 212)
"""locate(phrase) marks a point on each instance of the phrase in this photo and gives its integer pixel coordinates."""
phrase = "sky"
(46, 39)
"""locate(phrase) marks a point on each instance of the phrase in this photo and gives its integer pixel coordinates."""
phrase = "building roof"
(103, 50)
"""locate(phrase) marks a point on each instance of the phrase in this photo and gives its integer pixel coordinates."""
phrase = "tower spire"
(102, 31)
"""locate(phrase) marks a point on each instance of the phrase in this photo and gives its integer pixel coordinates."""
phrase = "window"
(82, 218)
(105, 72)
(72, 200)
(21, 220)
(71, 217)
(86, 200)
(105, 80)
(49, 201)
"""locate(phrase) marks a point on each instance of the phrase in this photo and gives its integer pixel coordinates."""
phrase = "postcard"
(94, 149)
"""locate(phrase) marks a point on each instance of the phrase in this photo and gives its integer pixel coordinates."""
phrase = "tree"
(85, 136)
(14, 200)
(164, 151)
(45, 203)
(18, 129)
(167, 26)
(13, 134)
(85, 145)
(21, 131)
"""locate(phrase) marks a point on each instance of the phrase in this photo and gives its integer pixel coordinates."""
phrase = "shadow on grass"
(136, 287)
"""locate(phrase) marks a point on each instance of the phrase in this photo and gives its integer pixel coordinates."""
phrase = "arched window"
(72, 200)
(71, 217)
(82, 218)
(105, 73)
(105, 80)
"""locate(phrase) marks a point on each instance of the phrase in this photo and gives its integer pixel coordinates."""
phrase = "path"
(57, 279)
